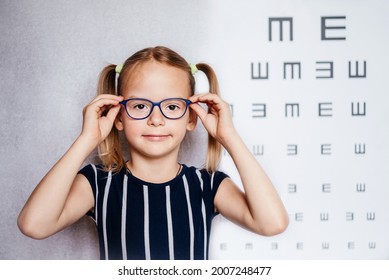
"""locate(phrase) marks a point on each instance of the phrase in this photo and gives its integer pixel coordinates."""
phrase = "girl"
(151, 206)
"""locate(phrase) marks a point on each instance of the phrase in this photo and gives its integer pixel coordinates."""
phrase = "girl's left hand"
(217, 121)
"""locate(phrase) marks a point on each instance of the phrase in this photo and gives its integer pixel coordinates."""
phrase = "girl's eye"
(173, 107)
(140, 106)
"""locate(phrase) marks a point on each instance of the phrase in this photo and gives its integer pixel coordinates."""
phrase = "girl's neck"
(155, 170)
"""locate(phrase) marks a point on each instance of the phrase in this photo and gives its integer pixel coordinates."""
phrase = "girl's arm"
(259, 208)
(62, 197)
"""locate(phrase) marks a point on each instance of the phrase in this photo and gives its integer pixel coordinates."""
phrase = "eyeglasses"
(171, 108)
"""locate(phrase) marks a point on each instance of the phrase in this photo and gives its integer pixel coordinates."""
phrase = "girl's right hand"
(97, 126)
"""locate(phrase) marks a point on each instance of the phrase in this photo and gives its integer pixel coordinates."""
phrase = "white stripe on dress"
(169, 223)
(191, 231)
(213, 175)
(146, 221)
(124, 218)
(97, 193)
(203, 214)
(105, 201)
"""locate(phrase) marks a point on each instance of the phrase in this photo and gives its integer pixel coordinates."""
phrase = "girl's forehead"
(153, 77)
(153, 67)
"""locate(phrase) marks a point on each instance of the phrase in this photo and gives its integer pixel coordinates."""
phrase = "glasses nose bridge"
(156, 104)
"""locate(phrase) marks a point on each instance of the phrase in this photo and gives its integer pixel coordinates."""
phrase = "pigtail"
(109, 150)
(214, 147)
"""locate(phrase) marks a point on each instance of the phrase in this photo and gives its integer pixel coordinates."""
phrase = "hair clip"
(193, 68)
(118, 68)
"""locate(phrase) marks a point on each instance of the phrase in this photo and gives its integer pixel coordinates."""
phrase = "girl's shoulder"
(98, 171)
(213, 177)
(201, 170)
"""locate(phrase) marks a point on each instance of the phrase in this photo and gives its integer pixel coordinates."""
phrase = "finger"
(113, 112)
(206, 98)
(213, 101)
(200, 111)
(210, 99)
(105, 98)
(108, 96)
(100, 104)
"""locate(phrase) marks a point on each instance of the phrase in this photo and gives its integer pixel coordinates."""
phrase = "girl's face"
(156, 136)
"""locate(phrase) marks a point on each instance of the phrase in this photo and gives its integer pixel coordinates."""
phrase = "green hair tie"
(118, 68)
(193, 69)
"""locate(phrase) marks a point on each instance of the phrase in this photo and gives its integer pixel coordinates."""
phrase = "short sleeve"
(90, 173)
(216, 179)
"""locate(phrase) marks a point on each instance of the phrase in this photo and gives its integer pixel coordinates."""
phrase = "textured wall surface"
(51, 54)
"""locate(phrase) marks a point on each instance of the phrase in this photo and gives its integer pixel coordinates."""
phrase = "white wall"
(52, 52)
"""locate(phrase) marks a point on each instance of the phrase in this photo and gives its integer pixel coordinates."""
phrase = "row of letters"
(329, 28)
(325, 216)
(349, 216)
(292, 110)
(292, 70)
(248, 246)
(327, 188)
(293, 149)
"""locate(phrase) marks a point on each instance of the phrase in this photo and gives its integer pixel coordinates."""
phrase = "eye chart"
(307, 85)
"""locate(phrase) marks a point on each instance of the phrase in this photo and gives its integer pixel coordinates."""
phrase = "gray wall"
(51, 55)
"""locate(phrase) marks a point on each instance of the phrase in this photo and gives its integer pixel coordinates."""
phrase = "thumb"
(113, 112)
(199, 110)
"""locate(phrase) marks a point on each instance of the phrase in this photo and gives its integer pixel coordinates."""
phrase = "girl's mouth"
(156, 137)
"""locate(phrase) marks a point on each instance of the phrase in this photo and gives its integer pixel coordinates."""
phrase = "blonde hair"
(110, 150)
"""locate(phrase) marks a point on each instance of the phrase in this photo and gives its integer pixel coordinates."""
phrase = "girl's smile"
(156, 137)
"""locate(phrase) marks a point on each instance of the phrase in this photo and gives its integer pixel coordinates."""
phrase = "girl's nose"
(156, 118)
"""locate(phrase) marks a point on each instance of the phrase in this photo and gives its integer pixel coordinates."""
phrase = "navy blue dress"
(140, 220)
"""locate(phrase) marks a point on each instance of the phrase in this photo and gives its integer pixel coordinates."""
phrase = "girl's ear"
(192, 120)
(118, 122)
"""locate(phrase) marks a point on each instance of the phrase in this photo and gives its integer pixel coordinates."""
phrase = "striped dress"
(140, 220)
